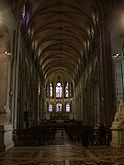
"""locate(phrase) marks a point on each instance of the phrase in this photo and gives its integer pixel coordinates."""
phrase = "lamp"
(8, 53)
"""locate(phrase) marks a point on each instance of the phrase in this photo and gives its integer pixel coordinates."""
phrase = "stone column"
(118, 128)
(5, 127)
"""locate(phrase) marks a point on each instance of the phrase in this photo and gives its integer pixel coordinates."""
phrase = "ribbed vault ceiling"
(60, 31)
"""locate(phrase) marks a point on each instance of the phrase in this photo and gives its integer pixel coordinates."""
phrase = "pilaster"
(5, 127)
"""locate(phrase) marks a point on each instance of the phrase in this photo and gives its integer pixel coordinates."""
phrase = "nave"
(61, 62)
(63, 152)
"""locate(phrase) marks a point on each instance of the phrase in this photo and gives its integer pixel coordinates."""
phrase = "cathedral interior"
(61, 82)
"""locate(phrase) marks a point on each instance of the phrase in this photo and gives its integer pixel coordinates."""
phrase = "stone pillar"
(5, 127)
(118, 128)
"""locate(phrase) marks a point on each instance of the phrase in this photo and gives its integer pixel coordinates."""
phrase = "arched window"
(51, 89)
(50, 108)
(58, 89)
(47, 90)
(26, 14)
(68, 89)
(59, 107)
(68, 107)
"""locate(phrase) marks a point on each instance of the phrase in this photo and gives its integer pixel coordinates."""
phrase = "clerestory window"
(68, 89)
(51, 89)
(59, 90)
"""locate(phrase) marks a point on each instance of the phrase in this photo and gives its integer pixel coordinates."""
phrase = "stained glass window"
(70, 89)
(58, 89)
(67, 90)
(50, 108)
(51, 89)
(59, 107)
(26, 14)
(68, 108)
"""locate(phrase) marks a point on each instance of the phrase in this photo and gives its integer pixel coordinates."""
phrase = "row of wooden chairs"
(34, 136)
(88, 135)
(48, 134)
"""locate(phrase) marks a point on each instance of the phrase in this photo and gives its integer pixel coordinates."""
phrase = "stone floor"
(66, 153)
